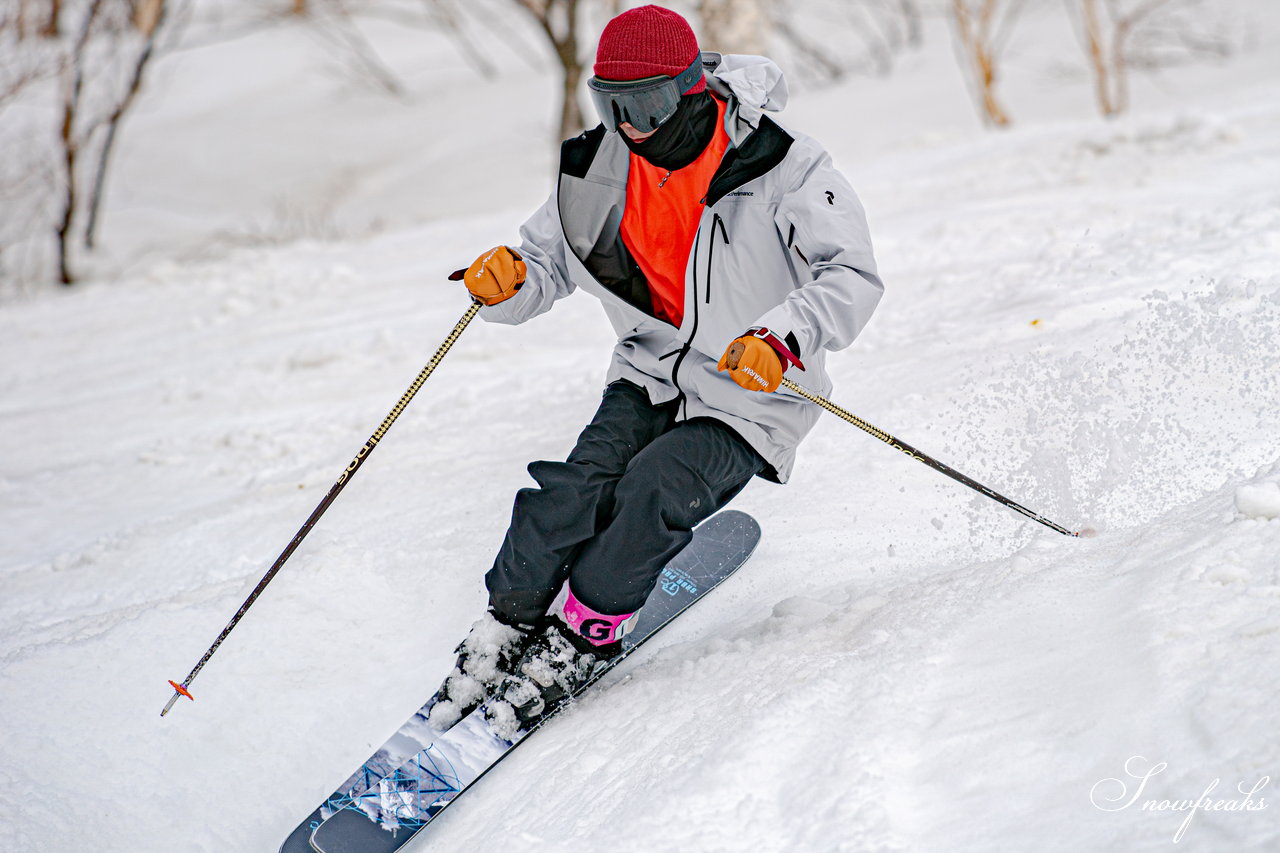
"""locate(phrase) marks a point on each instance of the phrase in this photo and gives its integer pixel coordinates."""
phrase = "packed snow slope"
(1082, 314)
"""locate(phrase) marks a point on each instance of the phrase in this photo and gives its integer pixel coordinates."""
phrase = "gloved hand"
(495, 276)
(757, 360)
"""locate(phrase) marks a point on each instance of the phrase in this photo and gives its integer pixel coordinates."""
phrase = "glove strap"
(783, 351)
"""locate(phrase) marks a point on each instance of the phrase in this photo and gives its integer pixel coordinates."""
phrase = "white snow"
(1259, 500)
(1082, 314)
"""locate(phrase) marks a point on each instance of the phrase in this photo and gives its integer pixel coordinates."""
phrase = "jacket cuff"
(512, 310)
(782, 323)
(786, 349)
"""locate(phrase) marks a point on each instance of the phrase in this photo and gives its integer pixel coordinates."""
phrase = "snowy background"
(1083, 314)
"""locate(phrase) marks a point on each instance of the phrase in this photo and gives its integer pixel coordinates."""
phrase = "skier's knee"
(680, 498)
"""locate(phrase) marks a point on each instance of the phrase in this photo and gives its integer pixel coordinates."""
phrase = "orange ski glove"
(495, 276)
(757, 360)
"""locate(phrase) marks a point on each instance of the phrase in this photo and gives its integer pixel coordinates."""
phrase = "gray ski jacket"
(782, 243)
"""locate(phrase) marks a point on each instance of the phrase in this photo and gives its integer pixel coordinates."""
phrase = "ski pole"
(343, 479)
(897, 444)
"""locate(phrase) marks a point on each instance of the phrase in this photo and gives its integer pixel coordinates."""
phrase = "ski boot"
(555, 666)
(487, 655)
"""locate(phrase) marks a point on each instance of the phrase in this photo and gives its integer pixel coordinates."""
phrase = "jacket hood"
(751, 84)
(756, 81)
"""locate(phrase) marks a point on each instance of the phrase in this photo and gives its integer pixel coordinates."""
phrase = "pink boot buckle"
(598, 628)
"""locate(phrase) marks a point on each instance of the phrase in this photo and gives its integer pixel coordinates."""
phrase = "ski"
(418, 771)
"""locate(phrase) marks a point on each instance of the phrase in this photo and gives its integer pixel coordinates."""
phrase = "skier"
(727, 251)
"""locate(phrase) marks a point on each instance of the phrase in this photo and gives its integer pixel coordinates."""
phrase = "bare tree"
(982, 28)
(1107, 35)
(910, 10)
(27, 67)
(826, 40)
(444, 15)
(102, 77)
(334, 22)
(147, 15)
(72, 143)
(885, 28)
(735, 26)
(811, 57)
(52, 23)
(22, 63)
(559, 22)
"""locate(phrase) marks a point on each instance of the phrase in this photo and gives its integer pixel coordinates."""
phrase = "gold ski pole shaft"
(343, 479)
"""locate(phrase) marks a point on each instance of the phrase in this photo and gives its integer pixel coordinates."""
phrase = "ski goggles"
(643, 104)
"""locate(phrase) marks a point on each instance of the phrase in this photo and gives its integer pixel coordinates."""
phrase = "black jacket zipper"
(791, 244)
(693, 331)
(711, 249)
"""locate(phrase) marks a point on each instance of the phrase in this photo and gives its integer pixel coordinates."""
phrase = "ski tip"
(1087, 533)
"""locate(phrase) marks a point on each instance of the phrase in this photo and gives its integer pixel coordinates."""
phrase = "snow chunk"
(1227, 575)
(1258, 500)
(800, 607)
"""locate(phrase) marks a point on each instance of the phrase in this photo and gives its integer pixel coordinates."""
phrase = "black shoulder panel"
(576, 154)
(764, 149)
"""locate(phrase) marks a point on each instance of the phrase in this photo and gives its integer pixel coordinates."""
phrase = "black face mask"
(681, 138)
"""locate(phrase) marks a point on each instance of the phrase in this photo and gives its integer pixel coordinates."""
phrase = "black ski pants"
(623, 504)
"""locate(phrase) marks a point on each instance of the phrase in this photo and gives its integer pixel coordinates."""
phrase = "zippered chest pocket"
(791, 241)
(719, 234)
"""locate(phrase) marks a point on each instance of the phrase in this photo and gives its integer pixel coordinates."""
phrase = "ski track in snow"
(1083, 315)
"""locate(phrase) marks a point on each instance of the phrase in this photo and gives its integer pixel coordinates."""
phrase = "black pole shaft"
(329, 498)
(897, 444)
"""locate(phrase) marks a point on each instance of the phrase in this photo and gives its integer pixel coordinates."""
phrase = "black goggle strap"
(684, 81)
(687, 78)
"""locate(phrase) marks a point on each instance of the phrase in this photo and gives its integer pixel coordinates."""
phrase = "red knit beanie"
(646, 42)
